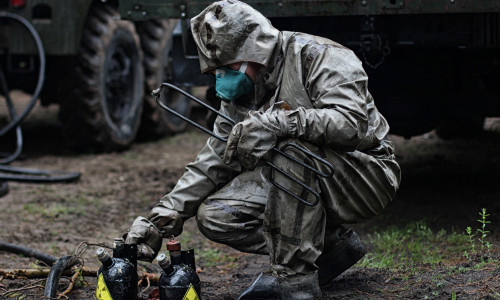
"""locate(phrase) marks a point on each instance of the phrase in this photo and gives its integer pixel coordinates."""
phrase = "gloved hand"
(252, 138)
(167, 220)
(146, 236)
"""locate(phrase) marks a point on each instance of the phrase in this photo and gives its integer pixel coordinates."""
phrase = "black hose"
(4, 188)
(12, 248)
(20, 174)
(37, 176)
(12, 112)
(41, 73)
(55, 273)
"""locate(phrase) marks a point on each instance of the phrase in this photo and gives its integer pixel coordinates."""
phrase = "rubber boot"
(269, 287)
(342, 250)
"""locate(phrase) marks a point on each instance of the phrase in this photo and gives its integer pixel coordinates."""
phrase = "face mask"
(231, 84)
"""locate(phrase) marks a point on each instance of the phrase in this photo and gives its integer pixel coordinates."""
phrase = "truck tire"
(156, 43)
(104, 112)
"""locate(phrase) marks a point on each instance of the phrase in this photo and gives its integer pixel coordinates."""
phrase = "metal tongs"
(156, 93)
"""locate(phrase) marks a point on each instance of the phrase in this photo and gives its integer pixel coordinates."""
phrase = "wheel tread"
(81, 112)
(156, 37)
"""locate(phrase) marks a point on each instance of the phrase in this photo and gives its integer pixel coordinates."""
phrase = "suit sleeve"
(337, 87)
(201, 178)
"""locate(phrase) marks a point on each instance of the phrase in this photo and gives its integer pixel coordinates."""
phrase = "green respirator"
(231, 84)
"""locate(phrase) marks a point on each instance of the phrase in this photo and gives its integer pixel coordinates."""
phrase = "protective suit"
(310, 91)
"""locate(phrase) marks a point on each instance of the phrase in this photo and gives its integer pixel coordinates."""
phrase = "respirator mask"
(232, 84)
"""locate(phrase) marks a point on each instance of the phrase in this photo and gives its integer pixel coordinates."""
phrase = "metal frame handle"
(156, 93)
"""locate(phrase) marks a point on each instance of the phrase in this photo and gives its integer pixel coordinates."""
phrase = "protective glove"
(167, 220)
(146, 236)
(252, 138)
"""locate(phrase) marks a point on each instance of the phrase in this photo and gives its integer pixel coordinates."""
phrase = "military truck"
(98, 68)
(432, 64)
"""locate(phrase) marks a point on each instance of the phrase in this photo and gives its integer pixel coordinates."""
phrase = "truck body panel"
(135, 9)
(58, 22)
(428, 61)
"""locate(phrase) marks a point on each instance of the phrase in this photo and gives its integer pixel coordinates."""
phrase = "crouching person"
(281, 87)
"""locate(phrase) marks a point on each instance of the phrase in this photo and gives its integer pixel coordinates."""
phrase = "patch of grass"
(185, 238)
(210, 257)
(49, 203)
(71, 206)
(54, 248)
(54, 209)
(484, 263)
(412, 245)
(57, 209)
(84, 200)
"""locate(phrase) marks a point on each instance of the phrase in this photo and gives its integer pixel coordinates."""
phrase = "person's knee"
(205, 219)
(211, 221)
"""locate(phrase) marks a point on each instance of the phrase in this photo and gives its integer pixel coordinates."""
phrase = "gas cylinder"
(117, 277)
(178, 279)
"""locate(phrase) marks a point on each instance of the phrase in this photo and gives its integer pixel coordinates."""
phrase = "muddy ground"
(445, 183)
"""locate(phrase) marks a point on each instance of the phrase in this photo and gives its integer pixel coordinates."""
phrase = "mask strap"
(243, 67)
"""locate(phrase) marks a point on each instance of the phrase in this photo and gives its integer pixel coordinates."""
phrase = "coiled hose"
(20, 174)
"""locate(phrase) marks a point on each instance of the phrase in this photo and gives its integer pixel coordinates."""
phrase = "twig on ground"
(24, 288)
(75, 276)
(43, 273)
(147, 287)
(151, 278)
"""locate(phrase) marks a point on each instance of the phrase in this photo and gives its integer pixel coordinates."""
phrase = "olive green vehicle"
(432, 64)
(98, 68)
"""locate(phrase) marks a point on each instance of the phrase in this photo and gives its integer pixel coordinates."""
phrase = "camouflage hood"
(231, 31)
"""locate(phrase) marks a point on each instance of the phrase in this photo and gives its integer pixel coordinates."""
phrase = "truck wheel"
(104, 112)
(156, 43)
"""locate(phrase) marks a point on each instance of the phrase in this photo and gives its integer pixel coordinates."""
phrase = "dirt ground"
(445, 183)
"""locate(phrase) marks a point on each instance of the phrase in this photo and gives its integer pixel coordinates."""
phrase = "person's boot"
(342, 250)
(269, 287)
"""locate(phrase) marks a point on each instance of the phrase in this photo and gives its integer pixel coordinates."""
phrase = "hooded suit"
(310, 91)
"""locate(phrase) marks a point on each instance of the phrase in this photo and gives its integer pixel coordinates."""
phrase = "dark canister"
(178, 280)
(117, 277)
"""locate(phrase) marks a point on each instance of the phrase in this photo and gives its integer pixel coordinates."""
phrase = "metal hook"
(156, 93)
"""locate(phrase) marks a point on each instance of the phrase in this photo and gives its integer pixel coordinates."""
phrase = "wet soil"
(444, 183)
